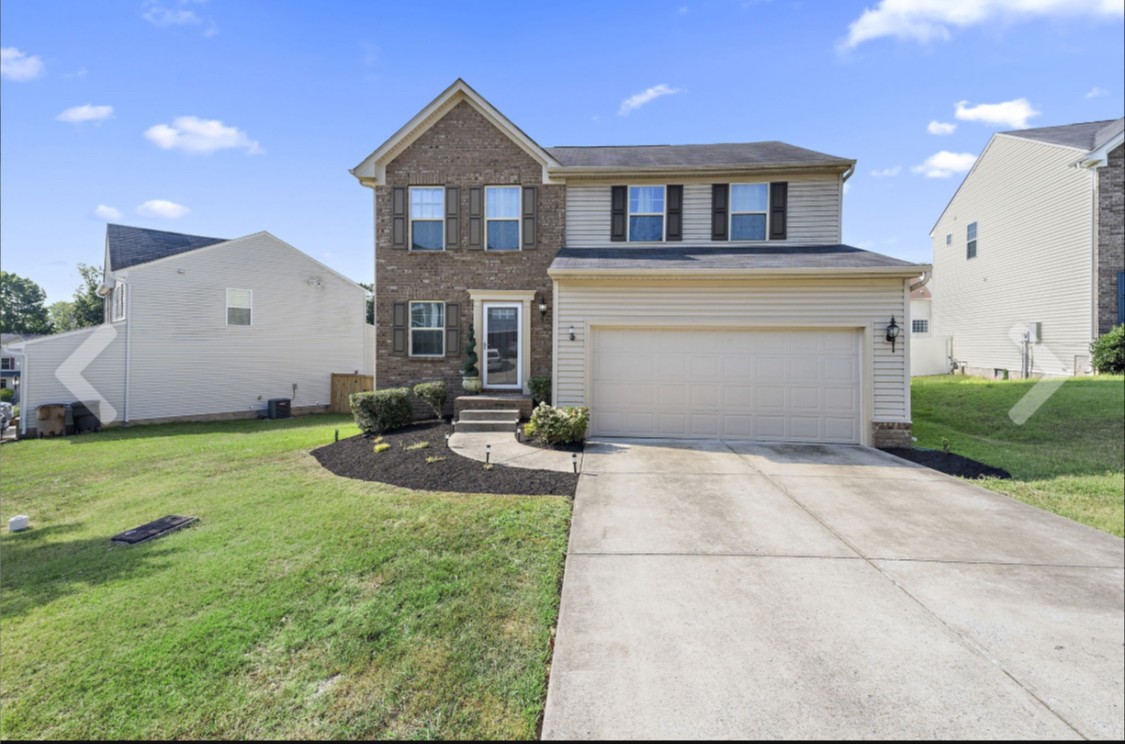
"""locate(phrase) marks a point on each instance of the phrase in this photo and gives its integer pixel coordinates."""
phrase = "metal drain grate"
(153, 530)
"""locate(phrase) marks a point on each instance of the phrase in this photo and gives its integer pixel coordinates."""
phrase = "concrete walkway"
(507, 451)
(734, 590)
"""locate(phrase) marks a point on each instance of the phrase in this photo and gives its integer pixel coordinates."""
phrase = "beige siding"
(814, 213)
(866, 304)
(1033, 215)
(104, 372)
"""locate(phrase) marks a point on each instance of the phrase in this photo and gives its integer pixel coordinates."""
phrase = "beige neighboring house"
(202, 328)
(1029, 253)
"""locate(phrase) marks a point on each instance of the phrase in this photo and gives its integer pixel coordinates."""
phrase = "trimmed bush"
(432, 394)
(382, 410)
(6, 395)
(1108, 351)
(469, 366)
(540, 390)
(559, 425)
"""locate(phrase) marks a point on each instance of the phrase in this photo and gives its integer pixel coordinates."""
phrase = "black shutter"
(530, 218)
(398, 329)
(476, 218)
(675, 213)
(452, 330)
(398, 217)
(719, 194)
(619, 195)
(452, 216)
(779, 209)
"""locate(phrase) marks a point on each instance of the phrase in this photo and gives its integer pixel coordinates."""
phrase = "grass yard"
(1068, 458)
(301, 605)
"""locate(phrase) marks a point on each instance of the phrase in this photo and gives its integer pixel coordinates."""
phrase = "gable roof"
(736, 154)
(129, 246)
(1084, 136)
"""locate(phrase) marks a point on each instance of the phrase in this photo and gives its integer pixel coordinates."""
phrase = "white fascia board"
(909, 272)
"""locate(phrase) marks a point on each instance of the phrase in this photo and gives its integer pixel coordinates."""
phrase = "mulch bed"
(356, 458)
(947, 462)
(571, 447)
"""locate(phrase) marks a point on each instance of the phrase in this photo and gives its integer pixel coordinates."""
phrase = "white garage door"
(791, 385)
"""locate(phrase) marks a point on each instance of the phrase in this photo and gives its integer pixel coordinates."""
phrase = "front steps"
(487, 419)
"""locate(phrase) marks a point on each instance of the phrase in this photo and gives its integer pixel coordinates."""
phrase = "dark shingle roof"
(725, 258)
(1085, 136)
(129, 246)
(686, 156)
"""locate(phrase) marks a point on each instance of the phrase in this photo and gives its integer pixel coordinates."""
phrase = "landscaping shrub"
(1108, 351)
(559, 425)
(6, 395)
(469, 366)
(540, 390)
(382, 410)
(432, 394)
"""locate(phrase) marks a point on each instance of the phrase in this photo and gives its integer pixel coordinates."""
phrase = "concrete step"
(489, 414)
(465, 427)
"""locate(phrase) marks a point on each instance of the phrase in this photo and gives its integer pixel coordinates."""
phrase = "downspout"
(840, 217)
(926, 276)
(128, 347)
(374, 285)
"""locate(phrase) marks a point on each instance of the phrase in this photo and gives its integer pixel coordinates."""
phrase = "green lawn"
(301, 605)
(1068, 458)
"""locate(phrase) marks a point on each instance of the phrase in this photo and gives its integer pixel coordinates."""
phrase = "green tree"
(21, 305)
(89, 309)
(370, 302)
(61, 315)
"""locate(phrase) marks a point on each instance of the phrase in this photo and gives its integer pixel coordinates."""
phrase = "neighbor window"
(427, 329)
(749, 203)
(239, 303)
(949, 238)
(920, 326)
(971, 236)
(7, 363)
(502, 215)
(118, 303)
(646, 213)
(427, 215)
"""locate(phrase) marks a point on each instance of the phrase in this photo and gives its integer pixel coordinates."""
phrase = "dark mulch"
(947, 462)
(398, 466)
(571, 447)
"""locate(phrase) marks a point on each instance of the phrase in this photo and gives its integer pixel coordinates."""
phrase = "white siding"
(1033, 263)
(105, 373)
(814, 213)
(867, 304)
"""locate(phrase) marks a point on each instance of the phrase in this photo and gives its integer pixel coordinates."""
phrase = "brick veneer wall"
(892, 434)
(1111, 236)
(462, 149)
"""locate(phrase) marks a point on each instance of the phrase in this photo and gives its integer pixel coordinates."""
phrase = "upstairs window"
(971, 237)
(646, 214)
(239, 304)
(117, 306)
(427, 329)
(749, 204)
(7, 363)
(427, 218)
(502, 215)
(949, 238)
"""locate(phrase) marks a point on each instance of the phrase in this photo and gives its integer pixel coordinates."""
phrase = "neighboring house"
(1032, 242)
(10, 363)
(678, 291)
(929, 353)
(202, 328)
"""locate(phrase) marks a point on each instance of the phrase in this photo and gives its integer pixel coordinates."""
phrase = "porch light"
(572, 333)
(892, 333)
(543, 309)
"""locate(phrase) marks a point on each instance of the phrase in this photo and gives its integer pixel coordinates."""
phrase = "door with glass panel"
(502, 368)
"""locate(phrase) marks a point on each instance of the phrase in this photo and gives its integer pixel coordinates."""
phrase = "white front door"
(501, 361)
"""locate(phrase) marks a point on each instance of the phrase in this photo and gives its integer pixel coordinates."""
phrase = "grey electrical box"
(1035, 332)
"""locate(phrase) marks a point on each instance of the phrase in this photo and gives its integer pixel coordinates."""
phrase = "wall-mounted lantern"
(892, 333)
(542, 308)
(572, 333)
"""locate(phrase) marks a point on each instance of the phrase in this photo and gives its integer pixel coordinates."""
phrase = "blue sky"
(227, 117)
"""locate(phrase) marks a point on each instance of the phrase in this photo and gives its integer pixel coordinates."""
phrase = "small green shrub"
(417, 446)
(435, 458)
(433, 394)
(382, 410)
(1108, 351)
(382, 447)
(540, 390)
(6, 394)
(560, 425)
(529, 430)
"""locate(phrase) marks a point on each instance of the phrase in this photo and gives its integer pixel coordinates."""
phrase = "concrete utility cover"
(740, 590)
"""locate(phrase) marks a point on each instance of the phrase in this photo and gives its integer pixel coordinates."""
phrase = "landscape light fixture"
(487, 453)
(574, 461)
(892, 333)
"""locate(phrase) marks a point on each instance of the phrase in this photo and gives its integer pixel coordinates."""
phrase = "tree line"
(23, 307)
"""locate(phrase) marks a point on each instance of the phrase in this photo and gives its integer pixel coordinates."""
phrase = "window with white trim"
(117, 303)
(646, 214)
(920, 326)
(502, 217)
(949, 238)
(7, 363)
(427, 329)
(427, 218)
(240, 304)
(971, 237)
(749, 207)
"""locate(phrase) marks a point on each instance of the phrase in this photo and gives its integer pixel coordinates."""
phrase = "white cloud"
(887, 172)
(200, 136)
(18, 66)
(1014, 113)
(941, 127)
(79, 114)
(927, 20)
(102, 212)
(944, 164)
(162, 208)
(635, 101)
(166, 13)
(1096, 92)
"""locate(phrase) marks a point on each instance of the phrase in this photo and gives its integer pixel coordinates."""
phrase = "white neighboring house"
(1032, 243)
(929, 352)
(202, 328)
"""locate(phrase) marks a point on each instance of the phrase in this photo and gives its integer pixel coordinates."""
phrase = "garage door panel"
(804, 368)
(704, 424)
(804, 427)
(738, 396)
(769, 396)
(840, 429)
(770, 427)
(738, 426)
(770, 369)
(807, 398)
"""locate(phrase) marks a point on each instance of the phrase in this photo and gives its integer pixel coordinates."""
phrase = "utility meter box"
(1035, 332)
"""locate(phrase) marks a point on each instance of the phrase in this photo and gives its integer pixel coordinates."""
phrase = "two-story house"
(1030, 252)
(678, 291)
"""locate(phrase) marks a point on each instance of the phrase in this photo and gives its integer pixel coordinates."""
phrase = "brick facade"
(886, 434)
(462, 149)
(1111, 236)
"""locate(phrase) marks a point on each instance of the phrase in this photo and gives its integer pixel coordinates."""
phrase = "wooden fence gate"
(343, 385)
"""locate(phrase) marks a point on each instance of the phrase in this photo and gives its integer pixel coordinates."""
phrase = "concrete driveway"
(737, 590)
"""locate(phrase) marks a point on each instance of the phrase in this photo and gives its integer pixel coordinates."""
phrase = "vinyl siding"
(1034, 233)
(867, 304)
(813, 218)
(104, 374)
